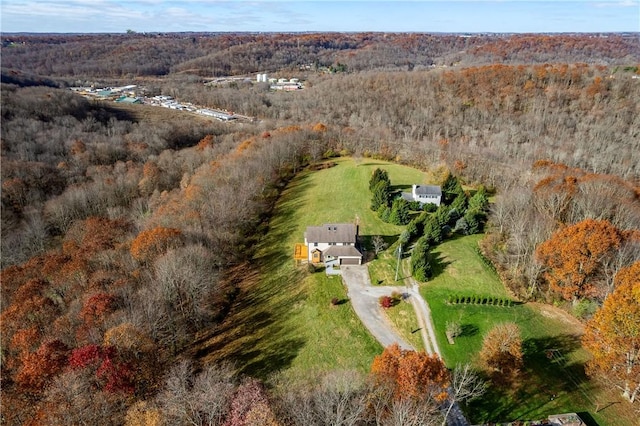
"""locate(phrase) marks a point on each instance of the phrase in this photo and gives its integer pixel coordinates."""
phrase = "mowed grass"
(553, 380)
(283, 321)
(403, 318)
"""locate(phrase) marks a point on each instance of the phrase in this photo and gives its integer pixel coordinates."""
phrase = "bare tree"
(379, 244)
(197, 399)
(412, 412)
(466, 385)
(340, 399)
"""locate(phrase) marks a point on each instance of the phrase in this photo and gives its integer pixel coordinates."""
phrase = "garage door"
(349, 261)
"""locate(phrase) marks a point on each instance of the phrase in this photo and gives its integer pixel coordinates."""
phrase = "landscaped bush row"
(484, 259)
(479, 300)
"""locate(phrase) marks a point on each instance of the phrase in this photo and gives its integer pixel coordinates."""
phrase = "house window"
(315, 244)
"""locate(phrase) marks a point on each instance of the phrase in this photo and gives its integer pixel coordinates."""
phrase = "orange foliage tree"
(573, 257)
(502, 349)
(38, 367)
(613, 335)
(412, 374)
(149, 244)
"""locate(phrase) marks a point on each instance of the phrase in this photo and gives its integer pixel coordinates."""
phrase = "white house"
(424, 194)
(333, 241)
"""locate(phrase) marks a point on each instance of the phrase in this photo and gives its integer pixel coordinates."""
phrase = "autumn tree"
(413, 374)
(149, 244)
(96, 307)
(40, 366)
(502, 349)
(574, 255)
(141, 414)
(250, 406)
(112, 373)
(613, 335)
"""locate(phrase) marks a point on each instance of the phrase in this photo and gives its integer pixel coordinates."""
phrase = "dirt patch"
(573, 324)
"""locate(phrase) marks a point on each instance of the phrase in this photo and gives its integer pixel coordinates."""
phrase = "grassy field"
(553, 380)
(284, 320)
(403, 318)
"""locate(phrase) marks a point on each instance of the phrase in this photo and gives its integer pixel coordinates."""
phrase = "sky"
(456, 16)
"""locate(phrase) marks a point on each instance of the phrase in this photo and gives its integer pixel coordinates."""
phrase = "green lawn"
(285, 322)
(404, 319)
(547, 385)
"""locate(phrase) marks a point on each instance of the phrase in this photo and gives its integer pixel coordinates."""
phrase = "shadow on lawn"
(256, 336)
(438, 265)
(548, 384)
(469, 330)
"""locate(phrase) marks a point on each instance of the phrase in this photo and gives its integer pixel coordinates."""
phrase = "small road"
(364, 299)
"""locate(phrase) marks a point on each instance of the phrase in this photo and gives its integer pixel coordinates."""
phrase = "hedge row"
(484, 259)
(479, 300)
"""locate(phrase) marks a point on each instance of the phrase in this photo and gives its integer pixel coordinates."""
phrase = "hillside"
(146, 251)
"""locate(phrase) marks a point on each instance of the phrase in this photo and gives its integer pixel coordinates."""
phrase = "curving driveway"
(364, 299)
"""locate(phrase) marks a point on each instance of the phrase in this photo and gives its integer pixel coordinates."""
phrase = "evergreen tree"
(479, 201)
(381, 195)
(383, 213)
(378, 176)
(460, 203)
(442, 215)
(475, 220)
(462, 226)
(451, 188)
(432, 231)
(420, 265)
(399, 212)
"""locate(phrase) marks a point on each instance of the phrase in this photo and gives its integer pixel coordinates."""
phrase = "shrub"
(585, 309)
(429, 207)
(386, 301)
(397, 297)
(335, 301)
(453, 329)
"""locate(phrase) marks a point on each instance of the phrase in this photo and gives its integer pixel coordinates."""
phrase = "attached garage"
(346, 255)
(350, 260)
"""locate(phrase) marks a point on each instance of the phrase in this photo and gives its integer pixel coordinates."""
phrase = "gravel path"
(364, 299)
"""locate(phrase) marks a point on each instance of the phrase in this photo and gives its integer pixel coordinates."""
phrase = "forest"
(128, 231)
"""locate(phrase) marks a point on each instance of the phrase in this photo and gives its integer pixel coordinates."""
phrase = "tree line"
(208, 55)
(122, 237)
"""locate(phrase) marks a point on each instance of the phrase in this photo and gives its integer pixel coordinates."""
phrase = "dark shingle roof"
(428, 190)
(332, 233)
(341, 251)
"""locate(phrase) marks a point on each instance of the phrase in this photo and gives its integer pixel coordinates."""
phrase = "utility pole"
(398, 264)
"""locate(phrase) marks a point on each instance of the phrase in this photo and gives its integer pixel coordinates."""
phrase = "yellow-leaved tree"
(613, 335)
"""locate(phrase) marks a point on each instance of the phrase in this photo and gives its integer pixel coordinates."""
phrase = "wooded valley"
(130, 232)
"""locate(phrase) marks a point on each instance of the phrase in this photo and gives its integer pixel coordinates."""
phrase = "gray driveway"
(364, 299)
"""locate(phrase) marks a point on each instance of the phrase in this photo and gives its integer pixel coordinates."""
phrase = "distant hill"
(215, 54)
